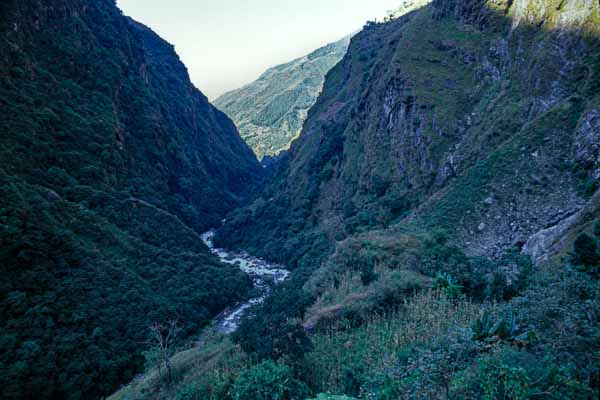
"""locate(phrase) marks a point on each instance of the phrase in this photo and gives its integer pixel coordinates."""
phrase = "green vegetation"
(432, 344)
(586, 252)
(407, 5)
(200, 373)
(426, 342)
(268, 381)
(276, 332)
(82, 285)
(343, 358)
(111, 163)
(449, 144)
(427, 128)
(270, 112)
(425, 167)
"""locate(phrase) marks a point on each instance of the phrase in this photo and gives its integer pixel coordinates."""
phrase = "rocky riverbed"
(263, 274)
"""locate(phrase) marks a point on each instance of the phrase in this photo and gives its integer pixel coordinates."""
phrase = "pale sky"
(228, 43)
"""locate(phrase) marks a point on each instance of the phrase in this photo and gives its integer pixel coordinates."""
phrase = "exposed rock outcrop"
(499, 105)
(587, 142)
(551, 241)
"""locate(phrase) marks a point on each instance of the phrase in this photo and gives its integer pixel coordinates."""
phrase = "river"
(263, 274)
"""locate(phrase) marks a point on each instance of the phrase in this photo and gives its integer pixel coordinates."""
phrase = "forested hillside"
(111, 163)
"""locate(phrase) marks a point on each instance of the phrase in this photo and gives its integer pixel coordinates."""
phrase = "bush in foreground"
(269, 381)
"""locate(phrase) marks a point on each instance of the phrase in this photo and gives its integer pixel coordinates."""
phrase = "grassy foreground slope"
(542, 343)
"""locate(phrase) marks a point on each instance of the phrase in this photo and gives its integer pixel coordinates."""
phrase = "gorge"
(432, 231)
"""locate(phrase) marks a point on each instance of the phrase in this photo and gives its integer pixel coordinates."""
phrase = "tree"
(445, 282)
(272, 336)
(586, 251)
(162, 342)
(269, 381)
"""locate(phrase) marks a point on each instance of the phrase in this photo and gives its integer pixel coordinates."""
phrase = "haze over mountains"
(438, 211)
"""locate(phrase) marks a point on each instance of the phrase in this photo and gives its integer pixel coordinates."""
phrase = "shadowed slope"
(110, 163)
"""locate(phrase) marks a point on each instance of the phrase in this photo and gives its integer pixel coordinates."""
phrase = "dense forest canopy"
(111, 164)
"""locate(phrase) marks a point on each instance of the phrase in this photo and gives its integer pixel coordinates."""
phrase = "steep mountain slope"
(270, 111)
(448, 147)
(483, 127)
(110, 163)
(149, 130)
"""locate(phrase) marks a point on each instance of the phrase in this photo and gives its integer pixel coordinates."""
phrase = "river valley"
(263, 274)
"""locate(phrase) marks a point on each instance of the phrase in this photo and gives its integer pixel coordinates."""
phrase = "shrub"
(269, 381)
(512, 374)
(479, 278)
(503, 381)
(445, 282)
(267, 333)
(218, 390)
(439, 257)
(589, 187)
(498, 288)
(504, 328)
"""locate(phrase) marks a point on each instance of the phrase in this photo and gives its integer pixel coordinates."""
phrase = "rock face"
(429, 116)
(270, 111)
(587, 142)
(111, 162)
(550, 241)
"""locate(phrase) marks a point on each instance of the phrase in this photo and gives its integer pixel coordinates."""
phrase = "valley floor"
(263, 274)
(436, 343)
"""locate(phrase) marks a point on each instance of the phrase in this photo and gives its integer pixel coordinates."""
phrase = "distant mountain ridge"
(270, 111)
